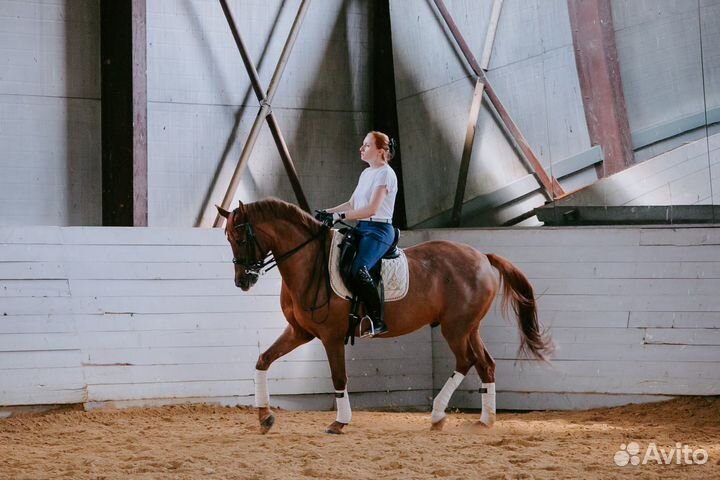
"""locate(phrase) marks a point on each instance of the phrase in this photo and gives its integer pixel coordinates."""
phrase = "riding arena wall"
(146, 316)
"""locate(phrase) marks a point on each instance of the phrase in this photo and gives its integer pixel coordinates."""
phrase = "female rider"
(372, 204)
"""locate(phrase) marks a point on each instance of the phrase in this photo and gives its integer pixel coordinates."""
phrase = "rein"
(257, 264)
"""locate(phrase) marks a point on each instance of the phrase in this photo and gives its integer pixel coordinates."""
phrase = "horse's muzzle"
(246, 281)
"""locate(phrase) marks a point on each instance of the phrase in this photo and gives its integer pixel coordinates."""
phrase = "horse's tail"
(517, 288)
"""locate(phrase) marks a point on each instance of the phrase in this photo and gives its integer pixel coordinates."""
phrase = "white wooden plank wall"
(136, 316)
(634, 312)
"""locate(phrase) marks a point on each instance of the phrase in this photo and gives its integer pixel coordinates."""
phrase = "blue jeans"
(375, 239)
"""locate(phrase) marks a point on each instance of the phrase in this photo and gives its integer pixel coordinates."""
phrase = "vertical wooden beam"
(599, 74)
(139, 87)
(384, 101)
(124, 113)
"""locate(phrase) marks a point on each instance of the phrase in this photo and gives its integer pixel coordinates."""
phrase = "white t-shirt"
(370, 179)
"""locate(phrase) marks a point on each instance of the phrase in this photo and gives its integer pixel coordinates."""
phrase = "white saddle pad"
(396, 276)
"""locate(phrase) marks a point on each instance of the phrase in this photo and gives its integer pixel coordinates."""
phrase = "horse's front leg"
(336, 356)
(288, 341)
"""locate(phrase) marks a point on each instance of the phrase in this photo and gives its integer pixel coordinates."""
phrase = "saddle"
(348, 251)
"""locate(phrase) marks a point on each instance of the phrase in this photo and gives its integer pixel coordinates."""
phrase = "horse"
(457, 289)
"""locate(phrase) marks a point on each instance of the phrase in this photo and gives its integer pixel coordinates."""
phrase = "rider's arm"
(341, 208)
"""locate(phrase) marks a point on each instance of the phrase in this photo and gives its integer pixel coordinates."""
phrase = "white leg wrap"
(488, 404)
(262, 397)
(344, 413)
(443, 398)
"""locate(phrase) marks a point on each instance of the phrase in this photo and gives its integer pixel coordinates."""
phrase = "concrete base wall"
(200, 106)
(50, 169)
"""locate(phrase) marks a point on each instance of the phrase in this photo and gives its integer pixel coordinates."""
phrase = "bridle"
(252, 262)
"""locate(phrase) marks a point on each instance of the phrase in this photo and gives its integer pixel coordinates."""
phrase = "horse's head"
(248, 254)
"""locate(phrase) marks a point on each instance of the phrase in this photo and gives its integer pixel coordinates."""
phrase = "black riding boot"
(367, 291)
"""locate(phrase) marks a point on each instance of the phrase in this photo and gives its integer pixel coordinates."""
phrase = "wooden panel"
(43, 395)
(622, 270)
(39, 359)
(710, 320)
(21, 342)
(37, 324)
(31, 270)
(669, 378)
(648, 303)
(122, 253)
(185, 355)
(223, 388)
(170, 288)
(552, 401)
(150, 271)
(23, 377)
(632, 286)
(34, 288)
(684, 336)
(121, 322)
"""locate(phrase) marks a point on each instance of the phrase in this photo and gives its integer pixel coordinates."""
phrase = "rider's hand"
(323, 216)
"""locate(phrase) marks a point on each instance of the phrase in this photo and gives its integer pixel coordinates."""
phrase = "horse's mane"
(272, 208)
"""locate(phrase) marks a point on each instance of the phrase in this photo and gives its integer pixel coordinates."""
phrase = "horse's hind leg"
(485, 366)
(288, 341)
(464, 360)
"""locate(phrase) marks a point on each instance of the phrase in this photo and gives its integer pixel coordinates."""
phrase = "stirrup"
(371, 331)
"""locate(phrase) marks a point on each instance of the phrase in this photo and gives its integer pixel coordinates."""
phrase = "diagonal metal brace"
(265, 113)
(549, 184)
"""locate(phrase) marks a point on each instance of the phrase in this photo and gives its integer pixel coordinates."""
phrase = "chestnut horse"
(451, 285)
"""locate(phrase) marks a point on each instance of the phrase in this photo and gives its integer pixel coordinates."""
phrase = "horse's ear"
(222, 211)
(241, 204)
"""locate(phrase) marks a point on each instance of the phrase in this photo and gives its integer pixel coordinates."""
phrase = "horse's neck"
(297, 269)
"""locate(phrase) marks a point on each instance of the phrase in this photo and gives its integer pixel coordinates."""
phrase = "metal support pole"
(265, 112)
(467, 152)
(456, 215)
(490, 36)
(551, 186)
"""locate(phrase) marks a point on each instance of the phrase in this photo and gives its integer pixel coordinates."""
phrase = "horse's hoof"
(438, 426)
(482, 425)
(335, 428)
(267, 423)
